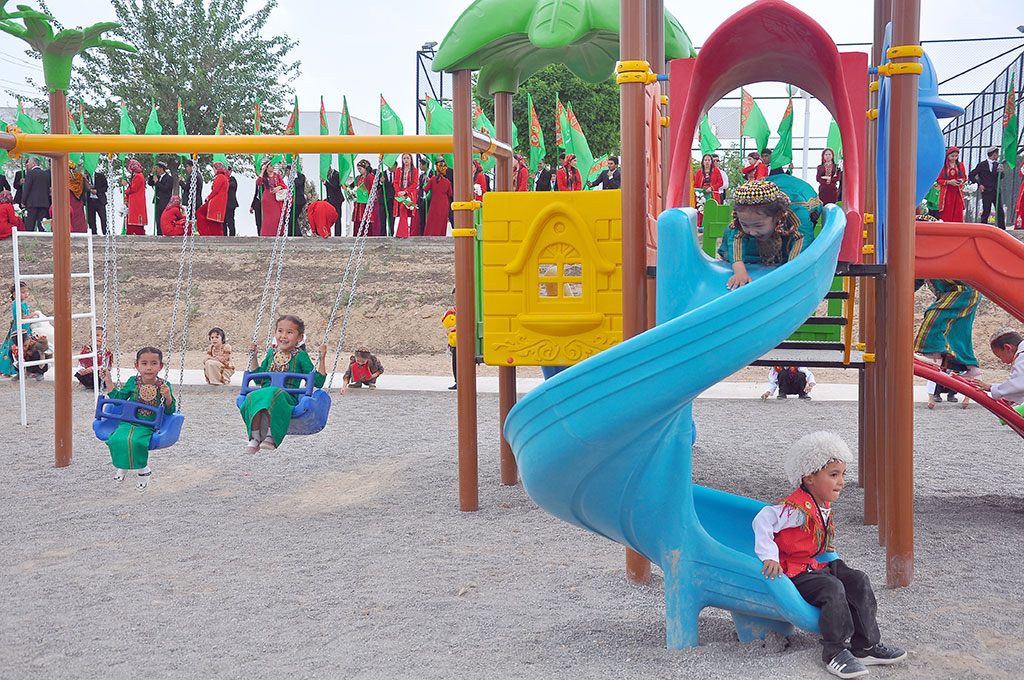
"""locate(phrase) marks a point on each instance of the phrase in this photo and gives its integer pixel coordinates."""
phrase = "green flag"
(325, 158)
(181, 131)
(576, 142)
(752, 122)
(26, 123)
(153, 126)
(561, 123)
(482, 123)
(291, 129)
(220, 157)
(390, 124)
(1010, 127)
(257, 159)
(439, 122)
(782, 155)
(599, 166)
(537, 149)
(89, 160)
(835, 141)
(708, 141)
(127, 126)
(346, 161)
(4, 157)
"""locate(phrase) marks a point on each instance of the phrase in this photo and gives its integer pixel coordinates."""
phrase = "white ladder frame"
(18, 319)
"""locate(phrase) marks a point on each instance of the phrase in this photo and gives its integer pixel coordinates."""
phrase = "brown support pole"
(61, 285)
(465, 294)
(632, 24)
(506, 374)
(882, 422)
(655, 44)
(899, 294)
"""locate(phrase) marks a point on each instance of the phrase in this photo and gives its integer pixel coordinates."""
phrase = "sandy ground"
(344, 555)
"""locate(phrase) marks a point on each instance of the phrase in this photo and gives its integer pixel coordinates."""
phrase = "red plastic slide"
(999, 407)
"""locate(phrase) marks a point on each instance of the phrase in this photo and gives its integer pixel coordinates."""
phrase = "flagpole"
(807, 129)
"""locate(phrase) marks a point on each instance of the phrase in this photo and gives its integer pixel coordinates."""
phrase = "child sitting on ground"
(87, 374)
(1008, 345)
(129, 443)
(795, 538)
(217, 366)
(267, 411)
(363, 369)
(789, 380)
(763, 231)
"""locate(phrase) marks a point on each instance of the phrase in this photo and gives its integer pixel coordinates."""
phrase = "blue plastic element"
(606, 444)
(112, 412)
(309, 415)
(931, 145)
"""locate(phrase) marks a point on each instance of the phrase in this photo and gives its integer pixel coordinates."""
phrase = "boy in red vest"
(795, 538)
(363, 369)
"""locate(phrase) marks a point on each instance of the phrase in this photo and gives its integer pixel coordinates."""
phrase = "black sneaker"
(454, 387)
(781, 396)
(880, 655)
(804, 395)
(845, 665)
(938, 397)
(952, 399)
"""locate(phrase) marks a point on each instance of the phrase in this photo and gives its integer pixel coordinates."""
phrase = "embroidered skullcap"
(758, 192)
(952, 149)
(814, 451)
(1005, 330)
(992, 150)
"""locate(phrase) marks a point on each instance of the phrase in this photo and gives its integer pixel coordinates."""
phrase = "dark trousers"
(229, 223)
(455, 365)
(158, 210)
(93, 210)
(34, 218)
(791, 383)
(360, 383)
(847, 606)
(986, 209)
(87, 379)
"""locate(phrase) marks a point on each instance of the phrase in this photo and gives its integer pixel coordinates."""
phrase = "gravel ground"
(345, 555)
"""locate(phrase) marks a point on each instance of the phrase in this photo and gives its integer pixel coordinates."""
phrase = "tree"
(210, 53)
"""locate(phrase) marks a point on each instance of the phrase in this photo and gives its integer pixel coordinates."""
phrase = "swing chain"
(282, 232)
(189, 226)
(191, 236)
(115, 284)
(279, 243)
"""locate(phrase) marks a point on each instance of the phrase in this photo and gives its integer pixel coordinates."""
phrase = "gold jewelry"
(282, 359)
(147, 393)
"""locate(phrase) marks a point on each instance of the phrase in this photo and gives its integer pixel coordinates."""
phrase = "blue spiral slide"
(605, 445)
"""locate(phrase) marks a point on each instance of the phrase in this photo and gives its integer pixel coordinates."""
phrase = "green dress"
(948, 323)
(803, 201)
(278, 403)
(129, 443)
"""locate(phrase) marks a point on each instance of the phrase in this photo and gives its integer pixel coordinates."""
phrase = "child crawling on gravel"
(267, 412)
(795, 538)
(763, 231)
(363, 369)
(129, 443)
(1008, 346)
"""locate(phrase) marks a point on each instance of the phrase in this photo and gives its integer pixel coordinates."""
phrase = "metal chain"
(279, 242)
(189, 225)
(193, 228)
(282, 229)
(116, 284)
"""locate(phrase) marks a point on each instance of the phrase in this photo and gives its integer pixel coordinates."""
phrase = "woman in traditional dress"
(363, 184)
(520, 174)
(479, 180)
(9, 219)
(439, 189)
(951, 187)
(6, 360)
(267, 412)
(1019, 212)
(756, 169)
(568, 177)
(274, 189)
(210, 216)
(135, 195)
(80, 188)
(709, 181)
(407, 188)
(829, 176)
(172, 220)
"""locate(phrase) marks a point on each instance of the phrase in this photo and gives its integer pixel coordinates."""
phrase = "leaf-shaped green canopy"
(510, 41)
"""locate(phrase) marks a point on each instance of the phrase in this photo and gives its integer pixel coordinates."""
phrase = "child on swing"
(129, 443)
(268, 411)
(763, 231)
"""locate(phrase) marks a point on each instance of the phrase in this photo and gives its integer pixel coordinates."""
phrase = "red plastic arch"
(772, 41)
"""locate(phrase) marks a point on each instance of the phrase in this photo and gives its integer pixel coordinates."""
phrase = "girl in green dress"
(267, 412)
(129, 443)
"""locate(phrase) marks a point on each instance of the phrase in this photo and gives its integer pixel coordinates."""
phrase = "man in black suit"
(987, 175)
(163, 187)
(97, 203)
(421, 204)
(335, 196)
(256, 209)
(19, 189)
(386, 200)
(4, 184)
(185, 184)
(229, 214)
(610, 178)
(298, 201)
(36, 196)
(542, 182)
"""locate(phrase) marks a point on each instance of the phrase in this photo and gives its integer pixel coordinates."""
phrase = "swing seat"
(112, 412)
(309, 415)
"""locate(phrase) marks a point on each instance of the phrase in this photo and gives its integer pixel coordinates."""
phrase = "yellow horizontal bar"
(464, 233)
(247, 144)
(466, 205)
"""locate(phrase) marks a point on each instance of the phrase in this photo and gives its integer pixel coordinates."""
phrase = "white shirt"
(725, 179)
(773, 379)
(771, 520)
(1012, 390)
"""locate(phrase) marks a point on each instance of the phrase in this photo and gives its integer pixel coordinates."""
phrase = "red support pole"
(61, 285)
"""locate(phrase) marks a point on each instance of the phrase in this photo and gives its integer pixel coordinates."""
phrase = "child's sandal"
(268, 445)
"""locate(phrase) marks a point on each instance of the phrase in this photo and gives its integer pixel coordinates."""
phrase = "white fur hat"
(814, 451)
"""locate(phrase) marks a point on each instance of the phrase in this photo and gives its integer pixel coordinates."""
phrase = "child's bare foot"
(252, 447)
(268, 444)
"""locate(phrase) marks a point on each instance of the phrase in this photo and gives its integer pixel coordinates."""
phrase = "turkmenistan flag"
(220, 157)
(439, 122)
(325, 158)
(576, 142)
(292, 128)
(708, 141)
(835, 141)
(1010, 127)
(26, 123)
(559, 120)
(752, 122)
(153, 126)
(599, 166)
(346, 161)
(537, 149)
(127, 126)
(4, 157)
(482, 123)
(73, 129)
(89, 160)
(782, 155)
(390, 124)
(257, 159)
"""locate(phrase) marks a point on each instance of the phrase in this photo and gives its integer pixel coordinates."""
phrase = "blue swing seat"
(309, 415)
(112, 412)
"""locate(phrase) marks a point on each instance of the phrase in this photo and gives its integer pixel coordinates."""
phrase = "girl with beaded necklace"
(763, 231)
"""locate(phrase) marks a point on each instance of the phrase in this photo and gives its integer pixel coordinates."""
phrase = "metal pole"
(61, 286)
(465, 295)
(17, 320)
(632, 22)
(506, 374)
(655, 40)
(899, 469)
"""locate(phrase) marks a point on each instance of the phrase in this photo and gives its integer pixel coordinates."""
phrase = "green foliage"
(732, 165)
(596, 107)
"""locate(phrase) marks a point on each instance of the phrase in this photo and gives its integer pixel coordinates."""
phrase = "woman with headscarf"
(479, 180)
(829, 176)
(439, 189)
(9, 219)
(709, 179)
(568, 177)
(135, 196)
(275, 191)
(407, 194)
(172, 220)
(80, 188)
(363, 185)
(951, 187)
(210, 216)
(520, 174)
(756, 170)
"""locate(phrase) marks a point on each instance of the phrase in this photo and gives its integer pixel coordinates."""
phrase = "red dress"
(756, 170)
(172, 221)
(951, 197)
(8, 220)
(1019, 220)
(135, 195)
(322, 216)
(570, 181)
(828, 191)
(713, 182)
(364, 184)
(522, 179)
(270, 205)
(480, 185)
(210, 215)
(440, 191)
(408, 221)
